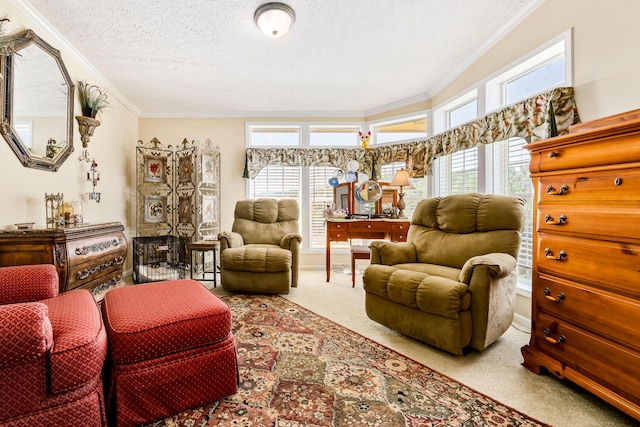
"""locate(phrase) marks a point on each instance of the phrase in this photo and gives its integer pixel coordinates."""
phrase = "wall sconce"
(274, 19)
(93, 176)
(402, 179)
(86, 126)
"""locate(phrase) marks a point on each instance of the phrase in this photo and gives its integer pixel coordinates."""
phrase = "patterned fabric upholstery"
(170, 348)
(26, 283)
(51, 352)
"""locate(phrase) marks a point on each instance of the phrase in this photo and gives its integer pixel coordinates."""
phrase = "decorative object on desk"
(93, 176)
(54, 208)
(364, 139)
(24, 225)
(402, 179)
(368, 192)
(72, 212)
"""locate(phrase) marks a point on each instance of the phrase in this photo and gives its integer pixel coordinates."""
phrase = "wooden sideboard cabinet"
(88, 256)
(586, 259)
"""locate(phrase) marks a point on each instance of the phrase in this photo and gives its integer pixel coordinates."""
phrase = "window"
(548, 75)
(274, 136)
(543, 69)
(276, 182)
(24, 129)
(463, 113)
(458, 172)
(508, 174)
(308, 185)
(400, 130)
(502, 167)
(333, 136)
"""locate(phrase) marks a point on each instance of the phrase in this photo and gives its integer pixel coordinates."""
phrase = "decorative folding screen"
(178, 189)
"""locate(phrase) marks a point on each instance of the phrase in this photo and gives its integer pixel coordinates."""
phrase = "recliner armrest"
(290, 239)
(230, 239)
(390, 253)
(25, 332)
(500, 265)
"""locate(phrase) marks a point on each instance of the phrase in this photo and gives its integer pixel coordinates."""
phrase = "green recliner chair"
(452, 284)
(261, 253)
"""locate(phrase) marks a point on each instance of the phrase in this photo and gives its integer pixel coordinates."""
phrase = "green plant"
(92, 99)
(4, 37)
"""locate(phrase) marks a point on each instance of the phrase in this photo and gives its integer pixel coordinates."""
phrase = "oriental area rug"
(300, 369)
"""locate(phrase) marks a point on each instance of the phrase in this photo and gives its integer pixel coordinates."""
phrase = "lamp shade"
(274, 19)
(402, 179)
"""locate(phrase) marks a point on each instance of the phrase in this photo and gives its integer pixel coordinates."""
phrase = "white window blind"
(320, 195)
(508, 174)
(276, 182)
(458, 172)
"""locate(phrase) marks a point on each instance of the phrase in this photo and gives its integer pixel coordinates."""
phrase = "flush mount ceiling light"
(274, 19)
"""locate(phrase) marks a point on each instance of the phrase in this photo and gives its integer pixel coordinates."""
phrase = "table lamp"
(402, 179)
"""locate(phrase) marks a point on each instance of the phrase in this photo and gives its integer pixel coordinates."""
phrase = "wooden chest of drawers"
(586, 259)
(88, 256)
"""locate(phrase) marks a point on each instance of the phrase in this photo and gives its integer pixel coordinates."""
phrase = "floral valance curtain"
(539, 117)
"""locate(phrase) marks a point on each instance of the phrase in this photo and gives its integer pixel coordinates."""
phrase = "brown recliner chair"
(261, 253)
(452, 284)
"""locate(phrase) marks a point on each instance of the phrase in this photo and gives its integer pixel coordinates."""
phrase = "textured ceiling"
(207, 57)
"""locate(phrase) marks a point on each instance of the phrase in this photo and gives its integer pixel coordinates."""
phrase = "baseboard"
(522, 321)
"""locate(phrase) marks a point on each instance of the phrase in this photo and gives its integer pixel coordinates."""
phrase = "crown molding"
(359, 115)
(399, 104)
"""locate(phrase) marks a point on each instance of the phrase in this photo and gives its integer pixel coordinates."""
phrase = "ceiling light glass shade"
(274, 19)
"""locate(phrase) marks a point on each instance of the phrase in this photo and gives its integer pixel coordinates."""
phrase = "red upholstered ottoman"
(170, 349)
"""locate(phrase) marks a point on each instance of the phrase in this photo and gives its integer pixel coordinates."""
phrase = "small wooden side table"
(201, 247)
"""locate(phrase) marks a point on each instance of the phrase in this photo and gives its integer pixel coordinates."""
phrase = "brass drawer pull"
(551, 191)
(548, 253)
(560, 339)
(548, 219)
(553, 154)
(547, 295)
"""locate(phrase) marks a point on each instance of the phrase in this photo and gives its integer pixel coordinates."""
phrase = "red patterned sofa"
(170, 349)
(52, 351)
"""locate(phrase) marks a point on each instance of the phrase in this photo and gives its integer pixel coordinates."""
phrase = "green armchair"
(452, 284)
(261, 253)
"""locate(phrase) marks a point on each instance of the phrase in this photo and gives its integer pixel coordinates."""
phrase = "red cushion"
(25, 283)
(155, 319)
(79, 340)
(25, 332)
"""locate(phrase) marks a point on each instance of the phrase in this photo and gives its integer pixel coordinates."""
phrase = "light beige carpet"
(496, 372)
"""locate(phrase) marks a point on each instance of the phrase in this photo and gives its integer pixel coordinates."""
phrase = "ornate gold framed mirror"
(37, 102)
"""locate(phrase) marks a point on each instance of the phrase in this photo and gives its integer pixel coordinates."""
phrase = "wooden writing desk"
(341, 230)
